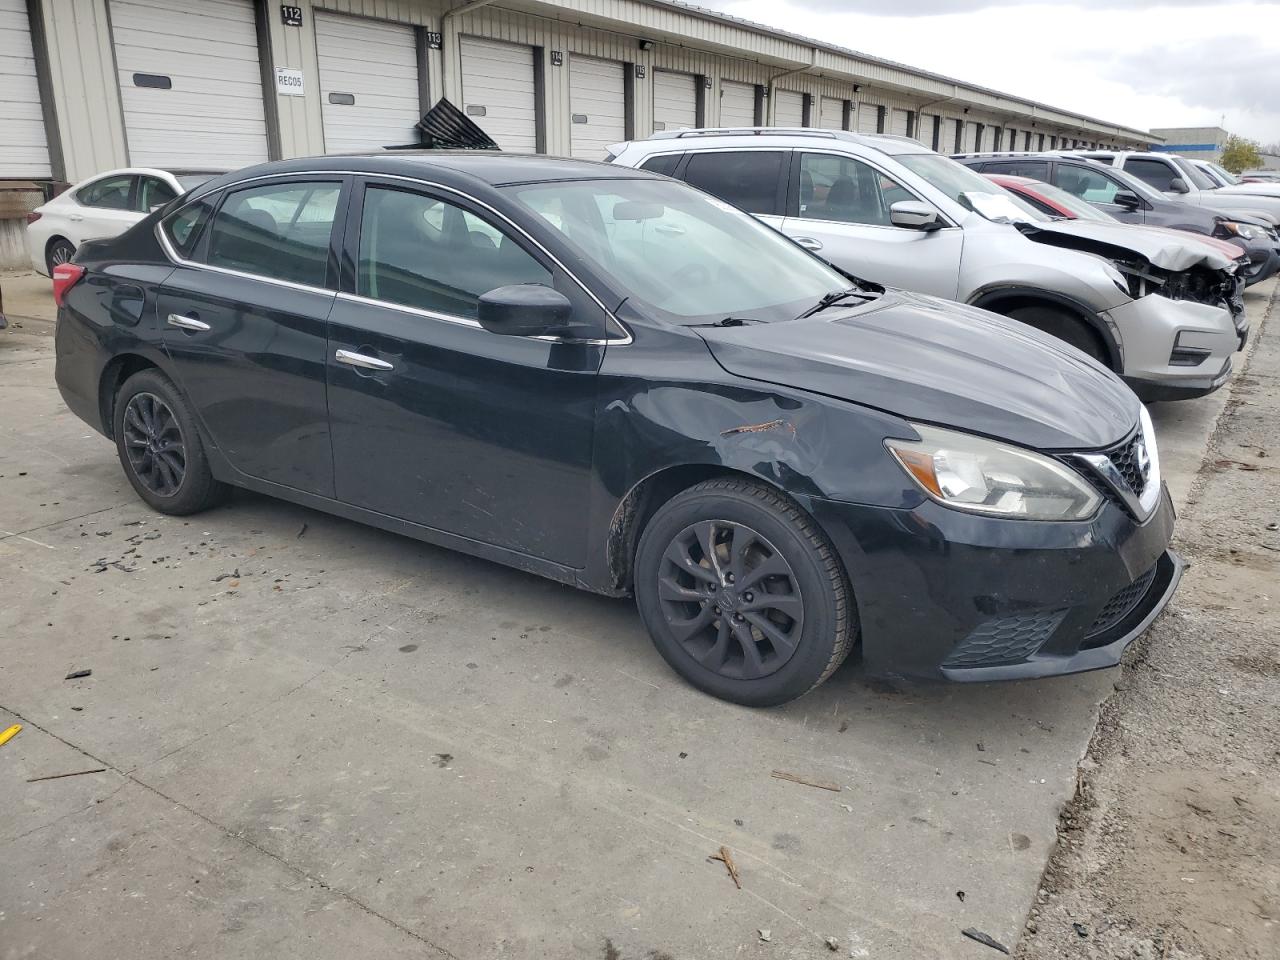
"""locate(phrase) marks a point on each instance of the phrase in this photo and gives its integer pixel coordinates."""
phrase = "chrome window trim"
(172, 254)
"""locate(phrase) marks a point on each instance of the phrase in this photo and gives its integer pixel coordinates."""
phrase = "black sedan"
(616, 381)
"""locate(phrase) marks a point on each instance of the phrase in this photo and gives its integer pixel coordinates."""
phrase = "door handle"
(75, 218)
(187, 323)
(361, 360)
(809, 243)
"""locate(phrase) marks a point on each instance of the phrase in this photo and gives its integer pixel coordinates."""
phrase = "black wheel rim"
(60, 254)
(731, 599)
(153, 442)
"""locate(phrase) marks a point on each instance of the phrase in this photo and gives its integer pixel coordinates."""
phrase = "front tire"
(742, 594)
(60, 251)
(1066, 327)
(160, 447)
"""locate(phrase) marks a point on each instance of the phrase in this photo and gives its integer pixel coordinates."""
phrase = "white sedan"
(100, 207)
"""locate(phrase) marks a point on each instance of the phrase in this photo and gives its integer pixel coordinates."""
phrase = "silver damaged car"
(889, 210)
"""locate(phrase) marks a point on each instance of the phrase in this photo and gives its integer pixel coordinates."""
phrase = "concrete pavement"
(356, 744)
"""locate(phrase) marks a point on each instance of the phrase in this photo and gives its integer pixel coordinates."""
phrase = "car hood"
(1258, 189)
(1164, 249)
(939, 362)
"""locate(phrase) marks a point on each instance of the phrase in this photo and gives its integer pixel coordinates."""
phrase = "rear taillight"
(65, 276)
(33, 216)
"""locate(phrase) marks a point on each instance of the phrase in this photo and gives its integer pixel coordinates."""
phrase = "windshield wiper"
(730, 322)
(831, 299)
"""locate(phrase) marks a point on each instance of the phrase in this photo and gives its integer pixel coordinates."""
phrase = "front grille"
(1005, 640)
(1121, 605)
(1126, 460)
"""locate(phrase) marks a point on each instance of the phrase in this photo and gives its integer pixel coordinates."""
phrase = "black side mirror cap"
(525, 310)
(1127, 199)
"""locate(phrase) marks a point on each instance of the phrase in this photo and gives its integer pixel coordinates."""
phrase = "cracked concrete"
(362, 745)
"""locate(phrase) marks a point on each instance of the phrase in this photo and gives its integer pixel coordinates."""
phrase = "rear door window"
(1035, 169)
(280, 231)
(152, 192)
(664, 164)
(751, 180)
(1086, 184)
(111, 193)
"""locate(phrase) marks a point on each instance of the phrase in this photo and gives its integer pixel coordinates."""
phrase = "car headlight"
(1235, 229)
(972, 473)
(1117, 278)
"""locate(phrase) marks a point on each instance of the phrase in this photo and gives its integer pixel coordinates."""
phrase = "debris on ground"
(725, 857)
(832, 943)
(77, 674)
(794, 778)
(9, 734)
(234, 574)
(985, 939)
(74, 773)
(960, 895)
(765, 935)
(301, 531)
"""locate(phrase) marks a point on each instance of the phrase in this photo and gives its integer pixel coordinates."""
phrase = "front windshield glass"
(1226, 176)
(1197, 178)
(687, 256)
(1080, 208)
(969, 188)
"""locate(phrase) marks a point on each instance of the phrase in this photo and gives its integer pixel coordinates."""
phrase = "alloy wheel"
(731, 599)
(154, 444)
(60, 254)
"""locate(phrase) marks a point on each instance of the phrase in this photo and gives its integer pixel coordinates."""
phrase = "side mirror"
(1127, 199)
(524, 310)
(914, 215)
(1178, 185)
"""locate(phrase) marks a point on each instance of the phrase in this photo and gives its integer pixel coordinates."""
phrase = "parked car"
(1162, 246)
(1179, 178)
(1228, 182)
(100, 207)
(1260, 176)
(613, 380)
(893, 211)
(1130, 200)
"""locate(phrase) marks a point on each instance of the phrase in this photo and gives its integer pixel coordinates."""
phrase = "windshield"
(1226, 176)
(189, 181)
(1080, 208)
(1197, 178)
(685, 255)
(969, 188)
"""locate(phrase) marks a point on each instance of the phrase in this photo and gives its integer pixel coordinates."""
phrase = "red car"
(1056, 202)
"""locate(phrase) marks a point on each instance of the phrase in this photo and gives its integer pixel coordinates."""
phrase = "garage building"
(87, 85)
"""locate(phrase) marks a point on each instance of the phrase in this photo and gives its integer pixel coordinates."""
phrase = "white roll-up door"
(737, 104)
(868, 117)
(498, 94)
(675, 101)
(24, 149)
(788, 109)
(598, 104)
(369, 94)
(970, 137)
(190, 82)
(898, 122)
(831, 113)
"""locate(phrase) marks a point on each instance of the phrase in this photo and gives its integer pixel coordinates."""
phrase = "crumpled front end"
(1201, 284)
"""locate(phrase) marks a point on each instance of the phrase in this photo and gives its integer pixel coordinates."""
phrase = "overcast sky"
(1161, 63)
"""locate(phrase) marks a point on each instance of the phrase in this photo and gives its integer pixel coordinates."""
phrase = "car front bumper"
(1153, 327)
(947, 595)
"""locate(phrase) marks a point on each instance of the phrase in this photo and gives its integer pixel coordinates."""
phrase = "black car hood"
(939, 362)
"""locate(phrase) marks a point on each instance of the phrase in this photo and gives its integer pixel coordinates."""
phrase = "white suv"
(889, 210)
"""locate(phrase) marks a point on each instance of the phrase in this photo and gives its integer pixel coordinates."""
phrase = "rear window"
(664, 164)
(1155, 172)
(111, 193)
(185, 227)
(748, 179)
(1035, 169)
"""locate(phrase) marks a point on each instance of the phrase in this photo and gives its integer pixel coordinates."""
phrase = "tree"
(1239, 154)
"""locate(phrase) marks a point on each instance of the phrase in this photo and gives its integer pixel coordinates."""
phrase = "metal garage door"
(898, 123)
(190, 82)
(788, 109)
(24, 151)
(369, 94)
(598, 103)
(831, 113)
(675, 100)
(737, 104)
(970, 137)
(498, 94)
(868, 117)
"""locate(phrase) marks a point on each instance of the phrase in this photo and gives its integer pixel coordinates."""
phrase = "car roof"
(699, 137)
(488, 166)
(1070, 157)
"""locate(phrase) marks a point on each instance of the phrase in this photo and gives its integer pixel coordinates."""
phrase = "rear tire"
(160, 447)
(60, 250)
(1066, 327)
(761, 616)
